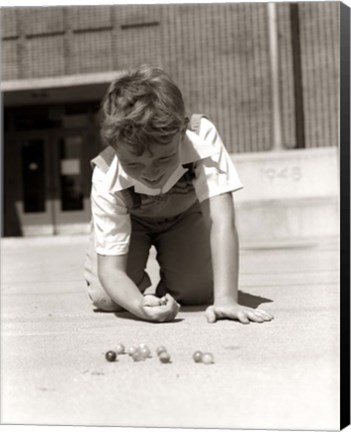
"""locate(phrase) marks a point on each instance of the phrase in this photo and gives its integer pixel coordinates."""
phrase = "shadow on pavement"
(245, 299)
(251, 300)
(127, 315)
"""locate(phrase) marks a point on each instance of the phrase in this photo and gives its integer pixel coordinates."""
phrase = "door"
(34, 183)
(71, 181)
(51, 174)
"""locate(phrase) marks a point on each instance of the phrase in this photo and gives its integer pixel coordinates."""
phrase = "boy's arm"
(112, 228)
(123, 291)
(219, 214)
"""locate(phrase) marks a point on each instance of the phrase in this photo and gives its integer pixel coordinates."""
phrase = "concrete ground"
(278, 375)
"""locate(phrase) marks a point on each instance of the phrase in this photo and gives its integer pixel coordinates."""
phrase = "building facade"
(57, 63)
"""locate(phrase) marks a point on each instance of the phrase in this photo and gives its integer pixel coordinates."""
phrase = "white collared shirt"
(215, 174)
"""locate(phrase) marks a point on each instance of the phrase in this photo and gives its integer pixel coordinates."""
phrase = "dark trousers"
(183, 251)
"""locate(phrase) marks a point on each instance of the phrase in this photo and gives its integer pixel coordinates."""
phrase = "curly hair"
(142, 106)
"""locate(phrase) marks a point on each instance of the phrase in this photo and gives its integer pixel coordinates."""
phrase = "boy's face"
(154, 167)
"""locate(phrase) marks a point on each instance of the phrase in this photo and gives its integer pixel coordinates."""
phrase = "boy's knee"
(198, 298)
(197, 291)
(106, 305)
(101, 301)
(190, 294)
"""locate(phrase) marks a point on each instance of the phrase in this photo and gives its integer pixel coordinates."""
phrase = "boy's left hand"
(152, 300)
(163, 309)
(236, 312)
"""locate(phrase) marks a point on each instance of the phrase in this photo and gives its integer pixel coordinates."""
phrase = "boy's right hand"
(167, 309)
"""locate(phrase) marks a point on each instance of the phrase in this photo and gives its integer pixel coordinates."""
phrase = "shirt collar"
(192, 149)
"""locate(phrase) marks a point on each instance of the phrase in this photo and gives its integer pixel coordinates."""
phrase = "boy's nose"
(151, 173)
(151, 170)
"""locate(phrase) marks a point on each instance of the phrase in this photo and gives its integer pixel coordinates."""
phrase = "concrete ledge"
(304, 243)
(288, 174)
(287, 220)
(287, 196)
(16, 242)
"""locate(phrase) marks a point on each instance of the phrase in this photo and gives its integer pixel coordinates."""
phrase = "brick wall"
(217, 53)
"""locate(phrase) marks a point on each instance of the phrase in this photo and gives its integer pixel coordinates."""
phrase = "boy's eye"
(166, 158)
(132, 165)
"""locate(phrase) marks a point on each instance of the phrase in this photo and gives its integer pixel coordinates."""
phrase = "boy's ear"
(185, 126)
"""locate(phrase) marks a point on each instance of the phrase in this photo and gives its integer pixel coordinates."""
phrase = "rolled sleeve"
(215, 174)
(112, 226)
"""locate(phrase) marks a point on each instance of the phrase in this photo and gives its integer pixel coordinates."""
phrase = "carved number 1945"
(287, 173)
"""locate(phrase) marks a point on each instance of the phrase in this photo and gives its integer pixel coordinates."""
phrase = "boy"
(162, 183)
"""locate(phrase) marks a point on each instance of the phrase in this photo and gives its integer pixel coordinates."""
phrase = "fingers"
(265, 315)
(255, 317)
(258, 315)
(210, 314)
(166, 311)
(151, 300)
(169, 300)
(172, 305)
(163, 300)
(168, 297)
(241, 316)
(160, 313)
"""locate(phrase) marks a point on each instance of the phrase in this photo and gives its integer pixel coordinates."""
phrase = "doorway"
(47, 182)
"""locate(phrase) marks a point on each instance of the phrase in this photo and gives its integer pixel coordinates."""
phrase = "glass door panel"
(71, 187)
(34, 207)
(33, 175)
(71, 206)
